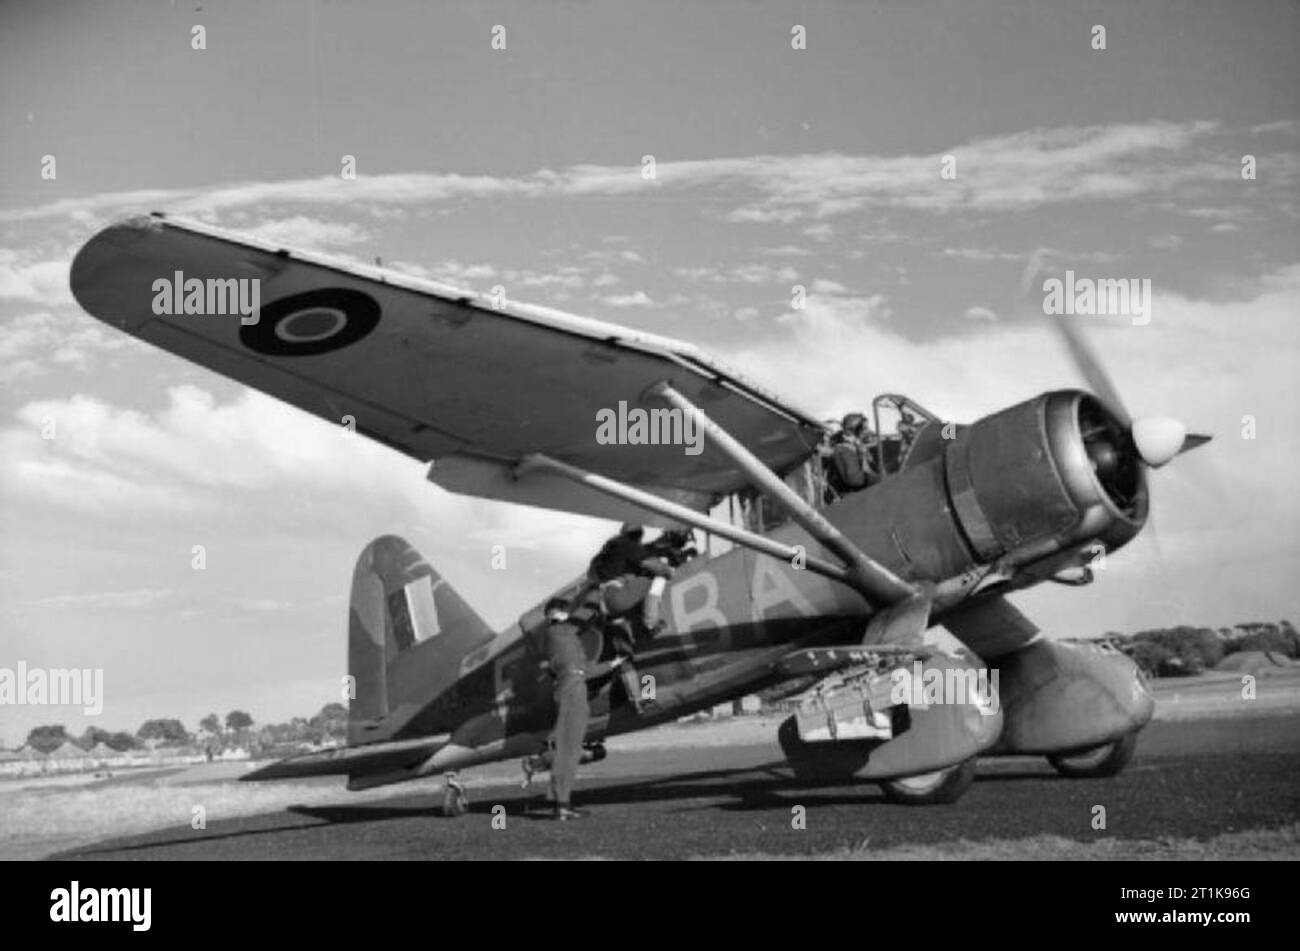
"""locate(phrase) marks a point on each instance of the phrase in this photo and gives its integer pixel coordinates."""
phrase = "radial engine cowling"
(1046, 474)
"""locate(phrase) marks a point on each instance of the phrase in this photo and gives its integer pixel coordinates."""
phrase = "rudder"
(408, 630)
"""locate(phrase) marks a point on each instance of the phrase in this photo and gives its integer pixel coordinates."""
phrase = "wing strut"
(872, 579)
(662, 506)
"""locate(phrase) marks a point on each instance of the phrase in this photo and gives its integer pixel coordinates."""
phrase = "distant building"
(68, 757)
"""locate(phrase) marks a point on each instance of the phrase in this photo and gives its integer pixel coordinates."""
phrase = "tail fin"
(408, 631)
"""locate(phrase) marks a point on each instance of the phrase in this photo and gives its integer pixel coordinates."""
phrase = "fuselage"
(973, 511)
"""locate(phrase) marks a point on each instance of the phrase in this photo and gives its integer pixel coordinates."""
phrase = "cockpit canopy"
(898, 421)
(896, 426)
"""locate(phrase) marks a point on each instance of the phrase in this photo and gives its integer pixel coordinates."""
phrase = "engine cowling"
(1045, 475)
(1051, 474)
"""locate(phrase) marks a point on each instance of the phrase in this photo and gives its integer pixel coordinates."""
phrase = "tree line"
(236, 729)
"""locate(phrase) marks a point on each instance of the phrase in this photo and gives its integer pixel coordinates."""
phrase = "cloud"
(756, 273)
(262, 604)
(984, 254)
(635, 299)
(31, 344)
(980, 313)
(763, 274)
(310, 234)
(449, 271)
(193, 462)
(24, 278)
(1001, 173)
(568, 277)
(191, 455)
(824, 286)
(132, 599)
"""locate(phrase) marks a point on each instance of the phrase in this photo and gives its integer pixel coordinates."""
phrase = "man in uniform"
(570, 670)
(629, 574)
(852, 465)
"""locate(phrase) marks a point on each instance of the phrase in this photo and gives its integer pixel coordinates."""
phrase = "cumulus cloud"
(23, 277)
(310, 234)
(30, 344)
(197, 458)
(635, 299)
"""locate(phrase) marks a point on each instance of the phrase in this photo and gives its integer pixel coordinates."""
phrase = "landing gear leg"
(455, 801)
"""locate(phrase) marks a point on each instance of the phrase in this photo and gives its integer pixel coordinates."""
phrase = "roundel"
(313, 322)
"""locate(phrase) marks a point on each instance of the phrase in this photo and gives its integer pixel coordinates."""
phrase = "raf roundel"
(311, 323)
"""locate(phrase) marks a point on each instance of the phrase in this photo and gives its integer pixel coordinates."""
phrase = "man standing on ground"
(570, 670)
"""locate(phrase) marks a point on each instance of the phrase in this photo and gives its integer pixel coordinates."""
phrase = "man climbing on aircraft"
(630, 574)
(570, 672)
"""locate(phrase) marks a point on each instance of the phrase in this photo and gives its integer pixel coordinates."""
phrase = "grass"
(1281, 844)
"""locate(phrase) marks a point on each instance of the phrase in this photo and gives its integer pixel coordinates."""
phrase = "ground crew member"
(570, 670)
(629, 574)
(626, 570)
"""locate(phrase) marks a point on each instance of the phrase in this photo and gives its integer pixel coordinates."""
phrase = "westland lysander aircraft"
(800, 591)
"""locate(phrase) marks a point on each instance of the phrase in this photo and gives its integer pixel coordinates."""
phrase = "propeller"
(1158, 439)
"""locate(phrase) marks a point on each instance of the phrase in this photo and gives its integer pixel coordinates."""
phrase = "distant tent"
(102, 750)
(30, 752)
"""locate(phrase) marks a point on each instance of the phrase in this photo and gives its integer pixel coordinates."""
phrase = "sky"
(525, 167)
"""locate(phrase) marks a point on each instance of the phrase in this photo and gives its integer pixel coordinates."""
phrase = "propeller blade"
(1090, 368)
(1193, 441)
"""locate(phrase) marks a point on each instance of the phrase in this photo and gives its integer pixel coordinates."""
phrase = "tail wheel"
(931, 789)
(455, 801)
(1105, 760)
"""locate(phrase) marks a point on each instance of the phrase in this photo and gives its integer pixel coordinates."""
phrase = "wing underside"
(435, 372)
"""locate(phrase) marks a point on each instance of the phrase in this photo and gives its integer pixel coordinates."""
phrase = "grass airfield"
(43, 816)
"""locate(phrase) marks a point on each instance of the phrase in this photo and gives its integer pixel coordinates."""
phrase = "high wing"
(441, 374)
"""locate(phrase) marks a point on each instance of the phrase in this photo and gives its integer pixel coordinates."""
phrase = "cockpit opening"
(857, 452)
